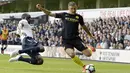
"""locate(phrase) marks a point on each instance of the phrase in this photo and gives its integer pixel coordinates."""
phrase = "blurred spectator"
(119, 45)
(104, 43)
(128, 46)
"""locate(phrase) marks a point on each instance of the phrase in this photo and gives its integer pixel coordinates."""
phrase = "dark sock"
(2, 49)
(31, 49)
(28, 60)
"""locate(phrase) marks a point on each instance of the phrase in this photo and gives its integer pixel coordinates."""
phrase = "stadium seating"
(109, 33)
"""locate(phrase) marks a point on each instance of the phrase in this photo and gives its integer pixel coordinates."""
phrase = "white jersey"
(24, 29)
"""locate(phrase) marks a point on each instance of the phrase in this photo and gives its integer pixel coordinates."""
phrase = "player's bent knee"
(42, 49)
(89, 55)
(37, 62)
(72, 55)
(40, 62)
(70, 52)
(87, 52)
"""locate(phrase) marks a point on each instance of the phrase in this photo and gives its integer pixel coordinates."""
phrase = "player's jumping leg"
(32, 48)
(39, 48)
(36, 59)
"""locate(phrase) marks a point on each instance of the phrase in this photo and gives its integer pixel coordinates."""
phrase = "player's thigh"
(4, 42)
(42, 49)
(33, 55)
(28, 42)
(87, 52)
(69, 49)
(79, 45)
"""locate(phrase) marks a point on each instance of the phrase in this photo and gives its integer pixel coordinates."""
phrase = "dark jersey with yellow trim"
(70, 24)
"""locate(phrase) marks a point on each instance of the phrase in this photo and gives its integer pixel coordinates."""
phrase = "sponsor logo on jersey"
(71, 19)
(77, 17)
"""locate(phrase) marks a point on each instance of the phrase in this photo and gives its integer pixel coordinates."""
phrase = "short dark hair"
(72, 3)
(26, 16)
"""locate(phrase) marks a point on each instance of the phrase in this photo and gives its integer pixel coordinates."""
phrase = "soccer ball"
(90, 68)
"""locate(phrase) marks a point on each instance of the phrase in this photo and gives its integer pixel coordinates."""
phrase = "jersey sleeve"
(60, 15)
(81, 21)
(18, 30)
(21, 26)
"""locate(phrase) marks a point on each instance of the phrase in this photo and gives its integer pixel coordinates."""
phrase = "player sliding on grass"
(29, 45)
(71, 21)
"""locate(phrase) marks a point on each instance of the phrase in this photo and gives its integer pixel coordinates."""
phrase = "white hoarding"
(99, 55)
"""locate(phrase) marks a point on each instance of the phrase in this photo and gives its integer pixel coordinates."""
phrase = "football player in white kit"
(29, 45)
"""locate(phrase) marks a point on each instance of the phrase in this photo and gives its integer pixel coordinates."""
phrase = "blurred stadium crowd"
(110, 33)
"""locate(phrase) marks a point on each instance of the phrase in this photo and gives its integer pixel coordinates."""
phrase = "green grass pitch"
(53, 65)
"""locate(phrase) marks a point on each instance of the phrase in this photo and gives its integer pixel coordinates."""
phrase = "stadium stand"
(110, 33)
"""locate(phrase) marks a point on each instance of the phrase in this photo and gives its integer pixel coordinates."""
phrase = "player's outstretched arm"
(87, 31)
(45, 10)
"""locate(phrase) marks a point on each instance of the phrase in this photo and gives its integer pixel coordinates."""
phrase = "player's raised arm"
(87, 31)
(85, 27)
(45, 10)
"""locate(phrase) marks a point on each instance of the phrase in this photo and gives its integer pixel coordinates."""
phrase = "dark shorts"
(4, 42)
(29, 42)
(75, 43)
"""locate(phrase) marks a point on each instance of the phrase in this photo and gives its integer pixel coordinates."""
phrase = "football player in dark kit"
(29, 45)
(70, 34)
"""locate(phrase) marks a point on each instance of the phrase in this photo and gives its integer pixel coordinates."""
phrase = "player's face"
(29, 20)
(72, 9)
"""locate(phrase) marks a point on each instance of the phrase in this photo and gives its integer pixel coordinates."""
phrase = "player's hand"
(39, 6)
